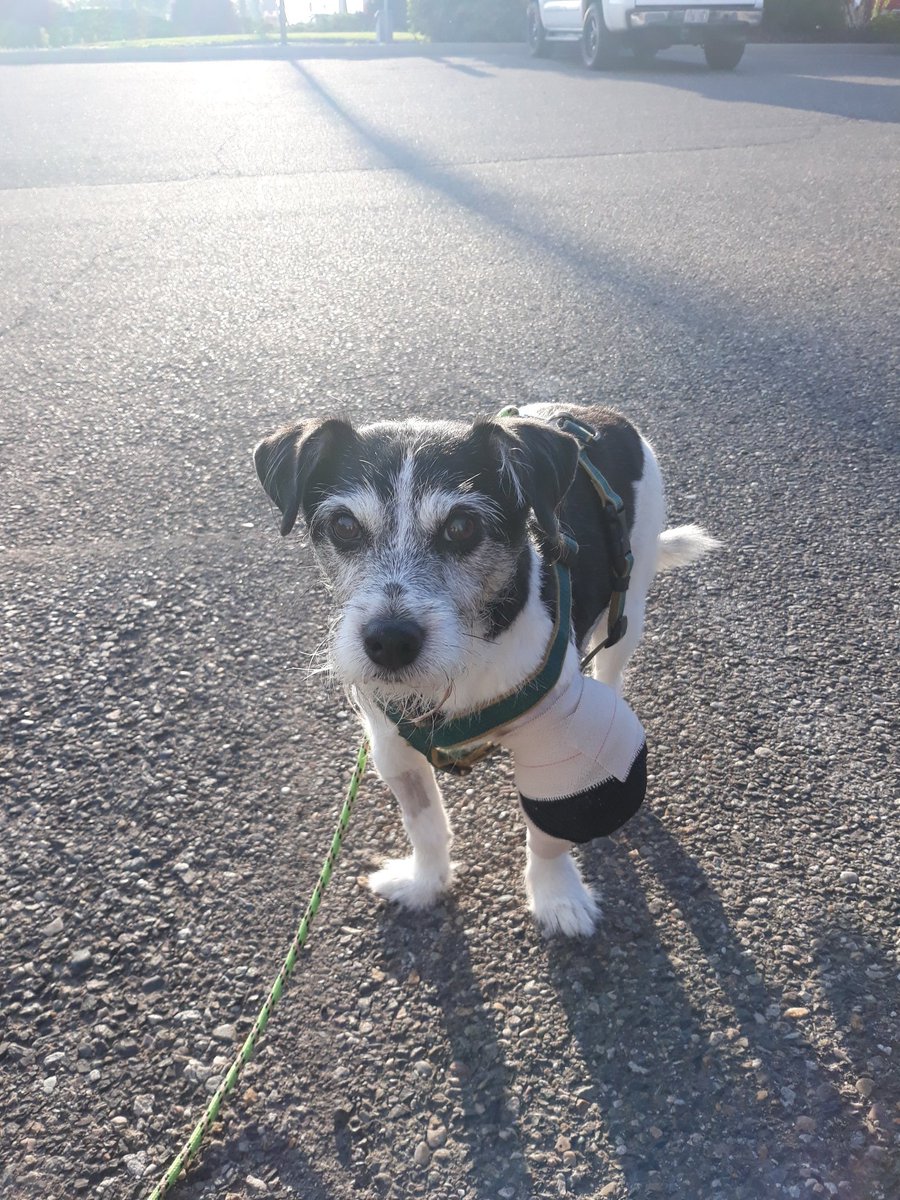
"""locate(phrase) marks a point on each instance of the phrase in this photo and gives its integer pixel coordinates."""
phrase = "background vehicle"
(604, 26)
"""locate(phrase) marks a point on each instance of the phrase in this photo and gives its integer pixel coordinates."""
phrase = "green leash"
(192, 1145)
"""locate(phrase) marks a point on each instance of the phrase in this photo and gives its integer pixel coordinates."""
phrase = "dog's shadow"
(695, 1067)
(478, 1078)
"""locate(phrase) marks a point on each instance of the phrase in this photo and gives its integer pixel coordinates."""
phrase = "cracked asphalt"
(192, 253)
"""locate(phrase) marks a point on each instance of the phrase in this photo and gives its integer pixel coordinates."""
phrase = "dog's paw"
(561, 902)
(568, 917)
(406, 883)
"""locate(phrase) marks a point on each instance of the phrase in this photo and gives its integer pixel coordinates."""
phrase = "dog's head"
(422, 529)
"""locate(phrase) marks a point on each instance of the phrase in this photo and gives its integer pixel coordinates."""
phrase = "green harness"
(441, 741)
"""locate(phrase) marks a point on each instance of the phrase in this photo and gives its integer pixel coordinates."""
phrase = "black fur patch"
(619, 455)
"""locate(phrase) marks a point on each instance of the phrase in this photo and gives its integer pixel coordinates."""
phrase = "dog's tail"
(682, 545)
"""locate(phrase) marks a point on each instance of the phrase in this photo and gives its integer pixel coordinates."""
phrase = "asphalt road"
(195, 252)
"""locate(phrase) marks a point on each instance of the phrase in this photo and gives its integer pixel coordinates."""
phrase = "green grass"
(361, 38)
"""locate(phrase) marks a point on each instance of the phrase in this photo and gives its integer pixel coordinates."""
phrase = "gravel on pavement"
(196, 252)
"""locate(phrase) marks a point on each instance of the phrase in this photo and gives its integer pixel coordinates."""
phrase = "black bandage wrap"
(597, 812)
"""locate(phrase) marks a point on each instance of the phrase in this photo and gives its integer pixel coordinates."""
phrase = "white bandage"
(579, 757)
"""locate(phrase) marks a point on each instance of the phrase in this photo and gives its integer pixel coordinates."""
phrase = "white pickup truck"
(602, 26)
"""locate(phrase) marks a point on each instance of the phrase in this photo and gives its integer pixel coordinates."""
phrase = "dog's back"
(627, 461)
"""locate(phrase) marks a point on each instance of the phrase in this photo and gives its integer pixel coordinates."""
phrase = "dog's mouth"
(403, 678)
(407, 660)
(406, 692)
(420, 681)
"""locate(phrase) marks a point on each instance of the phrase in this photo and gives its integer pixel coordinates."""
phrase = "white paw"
(406, 882)
(568, 918)
(562, 904)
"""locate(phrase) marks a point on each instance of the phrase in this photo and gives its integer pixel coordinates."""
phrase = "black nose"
(393, 642)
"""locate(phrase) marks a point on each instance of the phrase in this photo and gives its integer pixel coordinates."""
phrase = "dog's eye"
(346, 529)
(461, 528)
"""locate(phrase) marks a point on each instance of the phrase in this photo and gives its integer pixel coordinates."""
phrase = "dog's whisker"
(322, 649)
(311, 672)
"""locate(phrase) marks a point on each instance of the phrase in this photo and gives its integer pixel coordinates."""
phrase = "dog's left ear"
(538, 462)
(287, 460)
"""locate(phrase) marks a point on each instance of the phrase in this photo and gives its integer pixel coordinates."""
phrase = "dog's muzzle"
(393, 642)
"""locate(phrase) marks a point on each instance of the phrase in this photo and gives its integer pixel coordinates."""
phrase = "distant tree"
(26, 22)
(806, 16)
(204, 16)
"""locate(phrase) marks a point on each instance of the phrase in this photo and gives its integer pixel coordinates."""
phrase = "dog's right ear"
(288, 458)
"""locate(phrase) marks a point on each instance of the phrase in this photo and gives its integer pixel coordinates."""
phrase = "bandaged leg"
(580, 762)
(580, 759)
(558, 897)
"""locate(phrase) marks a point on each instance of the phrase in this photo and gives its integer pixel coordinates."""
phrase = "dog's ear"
(538, 462)
(288, 458)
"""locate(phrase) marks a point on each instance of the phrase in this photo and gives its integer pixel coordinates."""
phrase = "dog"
(439, 541)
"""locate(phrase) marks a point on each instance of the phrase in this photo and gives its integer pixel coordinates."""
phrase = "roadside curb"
(265, 50)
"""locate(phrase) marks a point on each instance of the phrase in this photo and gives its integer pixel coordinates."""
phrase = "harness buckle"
(461, 762)
(619, 547)
(617, 632)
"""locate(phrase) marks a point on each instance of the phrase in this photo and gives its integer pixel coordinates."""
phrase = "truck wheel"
(723, 54)
(597, 48)
(534, 31)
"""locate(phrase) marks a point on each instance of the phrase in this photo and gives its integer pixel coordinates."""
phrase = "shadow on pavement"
(819, 91)
(689, 310)
(707, 1063)
(807, 82)
(812, 91)
(484, 1081)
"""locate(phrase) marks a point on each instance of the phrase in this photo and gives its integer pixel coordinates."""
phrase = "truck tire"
(535, 32)
(723, 54)
(598, 50)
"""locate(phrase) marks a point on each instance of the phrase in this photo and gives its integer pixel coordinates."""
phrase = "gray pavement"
(192, 253)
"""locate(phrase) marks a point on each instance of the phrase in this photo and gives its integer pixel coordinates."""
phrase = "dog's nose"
(393, 642)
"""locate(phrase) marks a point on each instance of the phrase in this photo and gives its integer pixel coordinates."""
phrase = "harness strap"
(618, 544)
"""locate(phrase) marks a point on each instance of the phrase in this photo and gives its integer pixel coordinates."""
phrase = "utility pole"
(282, 22)
(384, 27)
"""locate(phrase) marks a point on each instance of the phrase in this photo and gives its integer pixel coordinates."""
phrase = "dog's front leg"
(558, 897)
(416, 881)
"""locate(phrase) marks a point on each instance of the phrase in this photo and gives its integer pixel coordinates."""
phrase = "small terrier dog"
(438, 540)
